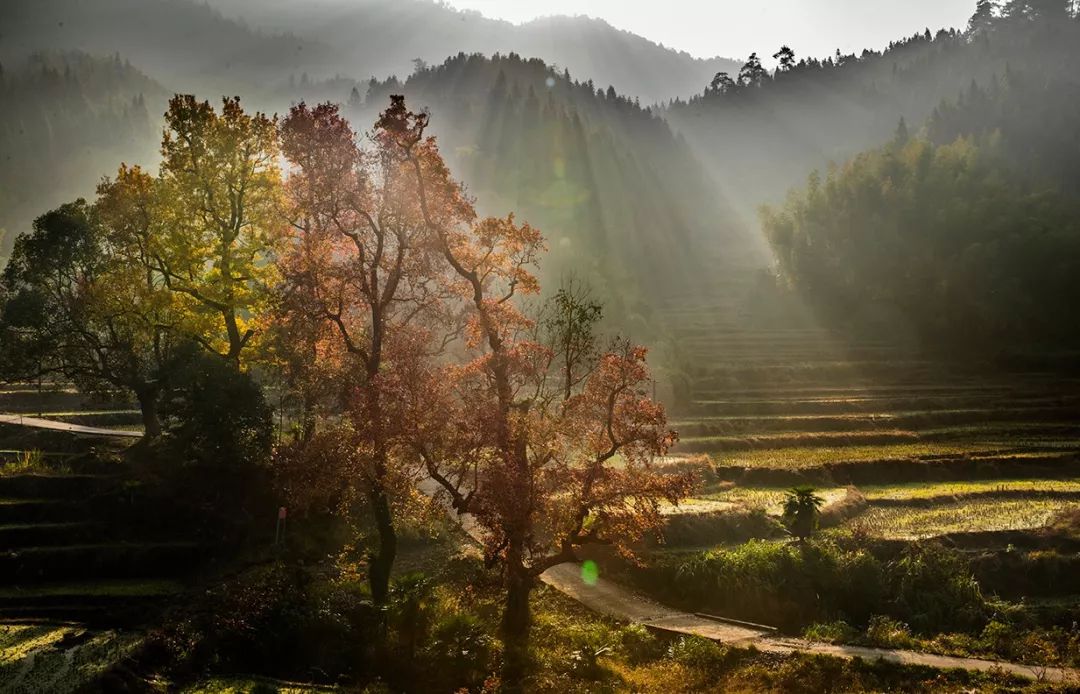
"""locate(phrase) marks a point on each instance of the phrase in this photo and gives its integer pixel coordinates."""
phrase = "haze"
(728, 28)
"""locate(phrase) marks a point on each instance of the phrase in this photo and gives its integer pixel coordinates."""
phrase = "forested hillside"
(617, 195)
(193, 46)
(761, 132)
(187, 45)
(383, 37)
(66, 120)
(967, 233)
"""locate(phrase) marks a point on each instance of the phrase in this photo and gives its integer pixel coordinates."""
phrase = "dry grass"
(967, 516)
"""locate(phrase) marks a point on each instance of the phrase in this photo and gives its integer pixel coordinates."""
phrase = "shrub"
(935, 590)
(216, 414)
(698, 653)
(888, 633)
(639, 645)
(831, 632)
(460, 651)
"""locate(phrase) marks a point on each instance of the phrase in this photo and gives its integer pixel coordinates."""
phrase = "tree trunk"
(516, 621)
(148, 404)
(382, 560)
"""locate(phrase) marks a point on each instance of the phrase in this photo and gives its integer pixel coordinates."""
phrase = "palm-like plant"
(801, 508)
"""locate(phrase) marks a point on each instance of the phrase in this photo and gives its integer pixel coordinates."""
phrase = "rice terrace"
(473, 346)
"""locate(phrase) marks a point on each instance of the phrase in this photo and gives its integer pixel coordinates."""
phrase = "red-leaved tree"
(363, 270)
(545, 456)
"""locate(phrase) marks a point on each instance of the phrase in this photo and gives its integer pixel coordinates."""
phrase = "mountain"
(383, 37)
(619, 197)
(189, 46)
(762, 137)
(192, 45)
(68, 119)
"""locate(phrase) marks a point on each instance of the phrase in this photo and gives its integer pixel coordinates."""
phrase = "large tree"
(216, 223)
(546, 458)
(73, 306)
(362, 269)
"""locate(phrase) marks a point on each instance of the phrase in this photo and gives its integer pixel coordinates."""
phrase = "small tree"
(801, 510)
(786, 56)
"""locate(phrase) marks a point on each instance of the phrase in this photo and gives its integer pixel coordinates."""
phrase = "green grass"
(768, 499)
(57, 658)
(796, 457)
(931, 490)
(967, 516)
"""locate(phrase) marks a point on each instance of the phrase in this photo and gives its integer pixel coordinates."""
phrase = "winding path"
(613, 600)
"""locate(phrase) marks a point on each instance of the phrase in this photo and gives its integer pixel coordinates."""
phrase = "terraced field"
(77, 576)
(933, 448)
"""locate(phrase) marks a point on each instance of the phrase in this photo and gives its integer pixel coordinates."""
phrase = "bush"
(792, 586)
(215, 413)
(888, 633)
(698, 653)
(460, 651)
(831, 632)
(935, 590)
(639, 645)
(269, 620)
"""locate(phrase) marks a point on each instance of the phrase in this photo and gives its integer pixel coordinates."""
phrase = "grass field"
(962, 517)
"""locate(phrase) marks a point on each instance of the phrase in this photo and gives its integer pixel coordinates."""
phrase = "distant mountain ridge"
(186, 43)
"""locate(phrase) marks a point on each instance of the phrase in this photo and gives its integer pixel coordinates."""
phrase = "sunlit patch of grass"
(17, 641)
(33, 461)
(931, 490)
(768, 499)
(813, 456)
(57, 658)
(968, 516)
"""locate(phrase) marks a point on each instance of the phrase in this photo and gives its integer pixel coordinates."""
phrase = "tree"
(752, 73)
(983, 18)
(499, 433)
(801, 510)
(901, 136)
(721, 84)
(361, 269)
(216, 223)
(73, 306)
(786, 56)
(569, 320)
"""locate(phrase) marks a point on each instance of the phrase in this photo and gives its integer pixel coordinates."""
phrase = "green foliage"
(888, 633)
(217, 415)
(71, 305)
(930, 237)
(935, 589)
(831, 632)
(699, 653)
(26, 461)
(801, 510)
(792, 586)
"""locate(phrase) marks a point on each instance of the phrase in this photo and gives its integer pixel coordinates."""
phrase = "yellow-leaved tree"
(215, 224)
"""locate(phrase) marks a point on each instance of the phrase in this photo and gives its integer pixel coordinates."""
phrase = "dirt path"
(609, 598)
(39, 423)
(613, 600)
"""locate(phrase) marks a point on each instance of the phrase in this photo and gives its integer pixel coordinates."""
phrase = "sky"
(735, 28)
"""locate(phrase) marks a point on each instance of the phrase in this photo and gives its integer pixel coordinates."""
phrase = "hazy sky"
(735, 28)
